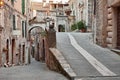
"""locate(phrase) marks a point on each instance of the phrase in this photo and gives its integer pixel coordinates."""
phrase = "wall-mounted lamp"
(1, 3)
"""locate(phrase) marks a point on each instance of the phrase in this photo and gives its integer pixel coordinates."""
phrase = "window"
(23, 7)
(12, 2)
(14, 22)
(23, 29)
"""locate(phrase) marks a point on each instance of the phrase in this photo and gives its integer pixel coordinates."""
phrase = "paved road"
(34, 71)
(88, 61)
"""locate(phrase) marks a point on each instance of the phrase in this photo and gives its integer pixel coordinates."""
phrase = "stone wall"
(101, 22)
(112, 23)
(106, 22)
(109, 28)
(0, 50)
(50, 42)
(7, 33)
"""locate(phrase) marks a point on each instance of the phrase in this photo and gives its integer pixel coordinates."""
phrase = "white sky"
(53, 0)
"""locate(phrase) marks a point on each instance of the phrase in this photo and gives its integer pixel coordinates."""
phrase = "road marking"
(92, 60)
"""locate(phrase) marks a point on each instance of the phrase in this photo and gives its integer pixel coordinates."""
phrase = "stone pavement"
(88, 60)
(34, 71)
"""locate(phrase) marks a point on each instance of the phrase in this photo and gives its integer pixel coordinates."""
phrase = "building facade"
(113, 27)
(106, 20)
(82, 10)
(13, 21)
(100, 22)
(56, 12)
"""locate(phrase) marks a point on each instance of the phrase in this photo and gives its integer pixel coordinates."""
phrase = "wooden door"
(23, 56)
(118, 28)
(7, 54)
(13, 50)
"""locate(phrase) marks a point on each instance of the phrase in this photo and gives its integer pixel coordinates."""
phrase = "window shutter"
(23, 7)
(14, 22)
(23, 29)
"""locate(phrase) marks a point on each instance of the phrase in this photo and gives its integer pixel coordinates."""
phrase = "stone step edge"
(64, 64)
(116, 51)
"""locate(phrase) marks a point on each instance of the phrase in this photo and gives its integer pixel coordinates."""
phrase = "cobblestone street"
(34, 71)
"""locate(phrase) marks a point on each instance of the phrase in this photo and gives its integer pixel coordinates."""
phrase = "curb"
(63, 63)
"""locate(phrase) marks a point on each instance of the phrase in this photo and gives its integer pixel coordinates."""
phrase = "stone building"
(100, 22)
(107, 23)
(113, 27)
(52, 12)
(13, 21)
(82, 10)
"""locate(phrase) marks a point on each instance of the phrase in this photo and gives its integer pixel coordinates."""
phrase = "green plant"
(74, 27)
(81, 25)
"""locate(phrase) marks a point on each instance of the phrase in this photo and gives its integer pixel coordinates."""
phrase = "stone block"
(109, 10)
(109, 29)
(109, 46)
(58, 63)
(110, 34)
(65, 65)
(110, 22)
(109, 16)
(109, 40)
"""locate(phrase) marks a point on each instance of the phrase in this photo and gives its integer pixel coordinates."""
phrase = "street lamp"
(1, 3)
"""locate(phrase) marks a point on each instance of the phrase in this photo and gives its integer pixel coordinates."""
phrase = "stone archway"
(61, 28)
(29, 31)
(37, 48)
(42, 26)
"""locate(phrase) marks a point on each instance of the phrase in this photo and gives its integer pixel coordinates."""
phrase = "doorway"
(13, 50)
(118, 28)
(61, 28)
(19, 54)
(43, 45)
(23, 56)
(7, 53)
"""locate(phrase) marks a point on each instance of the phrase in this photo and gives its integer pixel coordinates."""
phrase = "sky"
(53, 0)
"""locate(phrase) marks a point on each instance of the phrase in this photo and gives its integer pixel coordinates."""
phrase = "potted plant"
(81, 26)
